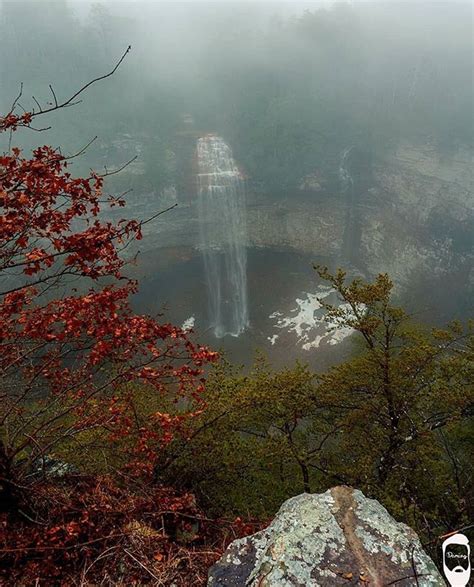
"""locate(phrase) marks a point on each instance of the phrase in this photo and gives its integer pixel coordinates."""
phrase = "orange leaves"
(36, 255)
(81, 348)
(242, 528)
(22, 241)
(40, 200)
(23, 199)
(12, 121)
(99, 329)
(86, 517)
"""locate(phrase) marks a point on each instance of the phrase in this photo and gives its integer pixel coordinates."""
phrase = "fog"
(392, 69)
(290, 87)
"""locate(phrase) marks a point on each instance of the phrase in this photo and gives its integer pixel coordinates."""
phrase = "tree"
(68, 335)
(393, 420)
(259, 441)
(400, 403)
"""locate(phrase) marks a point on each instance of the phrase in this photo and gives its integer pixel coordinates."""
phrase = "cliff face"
(335, 538)
(418, 213)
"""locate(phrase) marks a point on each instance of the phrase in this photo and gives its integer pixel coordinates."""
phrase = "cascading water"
(344, 174)
(221, 203)
(349, 247)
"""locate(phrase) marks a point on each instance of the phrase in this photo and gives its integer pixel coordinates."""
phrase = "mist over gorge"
(350, 128)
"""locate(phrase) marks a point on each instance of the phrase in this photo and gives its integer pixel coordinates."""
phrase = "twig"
(413, 566)
(108, 173)
(54, 95)
(95, 80)
(102, 555)
(157, 214)
(70, 101)
(37, 103)
(15, 101)
(141, 564)
(81, 151)
(448, 534)
(70, 547)
(407, 577)
(455, 532)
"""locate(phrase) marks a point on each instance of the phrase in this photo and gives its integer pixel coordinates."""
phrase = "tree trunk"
(305, 473)
(9, 498)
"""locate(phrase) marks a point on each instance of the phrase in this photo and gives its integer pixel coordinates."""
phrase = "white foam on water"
(188, 324)
(307, 321)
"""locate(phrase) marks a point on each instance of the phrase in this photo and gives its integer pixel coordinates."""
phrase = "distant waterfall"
(221, 202)
(345, 176)
(349, 245)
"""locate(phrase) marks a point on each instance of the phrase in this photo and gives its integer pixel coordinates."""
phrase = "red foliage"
(70, 344)
(89, 531)
(70, 352)
(12, 121)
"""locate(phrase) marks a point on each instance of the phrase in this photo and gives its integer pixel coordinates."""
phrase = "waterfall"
(344, 174)
(350, 239)
(221, 205)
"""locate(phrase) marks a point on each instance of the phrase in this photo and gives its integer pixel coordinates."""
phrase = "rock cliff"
(418, 213)
(410, 213)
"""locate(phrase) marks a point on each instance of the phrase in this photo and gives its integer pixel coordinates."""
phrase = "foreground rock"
(335, 538)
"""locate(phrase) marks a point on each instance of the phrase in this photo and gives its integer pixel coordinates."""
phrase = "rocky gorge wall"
(417, 215)
(420, 213)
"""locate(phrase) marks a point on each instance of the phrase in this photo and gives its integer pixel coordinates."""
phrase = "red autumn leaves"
(49, 216)
(69, 338)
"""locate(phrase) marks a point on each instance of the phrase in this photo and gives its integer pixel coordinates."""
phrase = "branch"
(22, 263)
(37, 103)
(143, 222)
(15, 101)
(81, 151)
(108, 173)
(54, 95)
(70, 101)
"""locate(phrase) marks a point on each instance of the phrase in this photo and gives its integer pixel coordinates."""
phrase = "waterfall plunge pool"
(282, 287)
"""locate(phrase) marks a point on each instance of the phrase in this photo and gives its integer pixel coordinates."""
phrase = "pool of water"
(281, 286)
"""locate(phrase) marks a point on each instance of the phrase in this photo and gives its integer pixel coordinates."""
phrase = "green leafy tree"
(258, 442)
(401, 403)
(393, 420)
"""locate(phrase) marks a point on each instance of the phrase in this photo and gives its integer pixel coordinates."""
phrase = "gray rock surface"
(413, 188)
(336, 538)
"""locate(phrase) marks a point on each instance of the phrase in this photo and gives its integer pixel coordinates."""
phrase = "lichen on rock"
(339, 537)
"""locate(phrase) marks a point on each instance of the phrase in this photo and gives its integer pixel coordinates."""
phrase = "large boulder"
(335, 538)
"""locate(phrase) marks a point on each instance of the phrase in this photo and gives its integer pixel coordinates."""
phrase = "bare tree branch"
(69, 101)
(54, 95)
